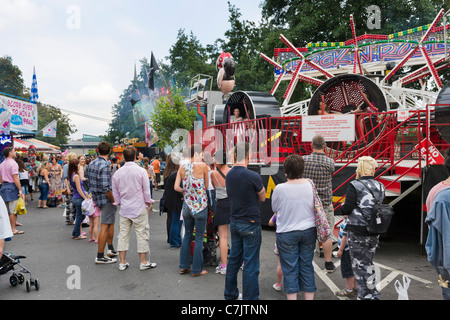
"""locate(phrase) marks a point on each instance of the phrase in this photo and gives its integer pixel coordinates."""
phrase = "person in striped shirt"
(346, 263)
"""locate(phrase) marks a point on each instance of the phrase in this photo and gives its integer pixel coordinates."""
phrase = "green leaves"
(171, 114)
(11, 81)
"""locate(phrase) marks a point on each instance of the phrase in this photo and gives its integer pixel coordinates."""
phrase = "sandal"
(79, 237)
(204, 272)
(183, 271)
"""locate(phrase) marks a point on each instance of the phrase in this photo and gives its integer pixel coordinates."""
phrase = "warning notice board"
(339, 127)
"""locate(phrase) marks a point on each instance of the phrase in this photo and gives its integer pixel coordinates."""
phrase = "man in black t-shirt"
(245, 191)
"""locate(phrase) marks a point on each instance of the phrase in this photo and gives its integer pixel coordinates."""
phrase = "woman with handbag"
(362, 195)
(79, 194)
(296, 229)
(43, 184)
(222, 213)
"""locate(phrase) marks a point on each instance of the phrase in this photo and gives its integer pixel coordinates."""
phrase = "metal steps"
(399, 185)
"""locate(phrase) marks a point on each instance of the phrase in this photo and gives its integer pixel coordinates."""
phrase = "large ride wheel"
(344, 93)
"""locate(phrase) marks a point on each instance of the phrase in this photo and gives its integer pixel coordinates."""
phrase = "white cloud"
(96, 93)
(22, 15)
(86, 69)
(129, 27)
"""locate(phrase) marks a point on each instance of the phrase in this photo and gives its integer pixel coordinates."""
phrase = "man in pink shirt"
(131, 192)
(11, 189)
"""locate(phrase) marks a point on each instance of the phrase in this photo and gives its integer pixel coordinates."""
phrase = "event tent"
(41, 146)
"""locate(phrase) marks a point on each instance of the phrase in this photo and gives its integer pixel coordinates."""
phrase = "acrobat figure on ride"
(226, 67)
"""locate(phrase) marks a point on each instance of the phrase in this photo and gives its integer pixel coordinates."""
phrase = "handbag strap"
(315, 194)
(221, 173)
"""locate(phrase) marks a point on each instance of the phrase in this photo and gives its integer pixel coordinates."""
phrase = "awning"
(21, 145)
(41, 146)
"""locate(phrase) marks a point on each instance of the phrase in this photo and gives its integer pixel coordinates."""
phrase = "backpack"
(381, 217)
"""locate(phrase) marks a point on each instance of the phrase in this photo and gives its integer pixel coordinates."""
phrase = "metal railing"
(382, 136)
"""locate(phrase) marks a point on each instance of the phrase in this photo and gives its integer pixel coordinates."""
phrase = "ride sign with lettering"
(434, 156)
(24, 114)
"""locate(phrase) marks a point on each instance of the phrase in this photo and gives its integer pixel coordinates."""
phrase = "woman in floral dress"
(56, 174)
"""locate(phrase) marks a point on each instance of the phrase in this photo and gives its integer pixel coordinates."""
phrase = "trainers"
(122, 267)
(329, 266)
(345, 293)
(148, 265)
(104, 260)
(112, 253)
(221, 270)
(277, 287)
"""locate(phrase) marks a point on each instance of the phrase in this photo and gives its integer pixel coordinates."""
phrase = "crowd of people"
(66, 181)
(196, 185)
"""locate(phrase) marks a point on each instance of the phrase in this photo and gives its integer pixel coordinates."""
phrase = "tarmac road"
(66, 269)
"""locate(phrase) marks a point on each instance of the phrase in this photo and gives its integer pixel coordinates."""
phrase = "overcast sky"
(84, 51)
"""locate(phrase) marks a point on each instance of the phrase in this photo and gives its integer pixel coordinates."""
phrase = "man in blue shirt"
(438, 239)
(245, 191)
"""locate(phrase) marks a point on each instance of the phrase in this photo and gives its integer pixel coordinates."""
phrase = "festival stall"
(23, 145)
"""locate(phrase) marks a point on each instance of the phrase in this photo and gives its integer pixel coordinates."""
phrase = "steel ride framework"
(342, 72)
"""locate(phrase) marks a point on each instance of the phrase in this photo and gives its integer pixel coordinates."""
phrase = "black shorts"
(157, 177)
(346, 265)
(222, 213)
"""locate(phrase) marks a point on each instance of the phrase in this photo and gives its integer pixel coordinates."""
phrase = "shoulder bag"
(322, 226)
(380, 219)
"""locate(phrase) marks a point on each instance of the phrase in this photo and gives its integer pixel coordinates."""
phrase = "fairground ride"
(407, 133)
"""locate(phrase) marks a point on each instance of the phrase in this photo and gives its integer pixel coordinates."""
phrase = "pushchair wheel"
(35, 283)
(27, 285)
(13, 280)
(21, 278)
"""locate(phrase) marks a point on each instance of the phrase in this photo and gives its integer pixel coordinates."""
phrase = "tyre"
(13, 280)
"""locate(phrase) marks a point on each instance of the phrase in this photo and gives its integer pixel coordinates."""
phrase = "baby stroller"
(210, 242)
(8, 263)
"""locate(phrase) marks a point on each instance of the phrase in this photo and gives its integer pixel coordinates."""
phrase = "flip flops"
(204, 272)
(80, 237)
(183, 271)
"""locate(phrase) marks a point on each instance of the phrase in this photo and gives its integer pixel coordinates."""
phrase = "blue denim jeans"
(446, 293)
(79, 217)
(245, 248)
(175, 230)
(198, 222)
(44, 189)
(296, 251)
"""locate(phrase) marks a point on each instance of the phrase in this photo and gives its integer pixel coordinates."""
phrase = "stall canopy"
(41, 146)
